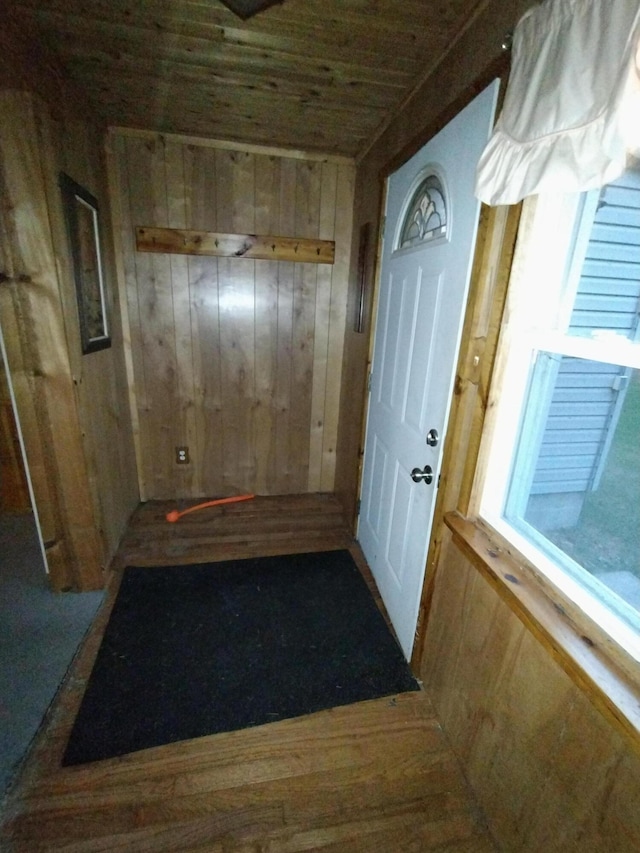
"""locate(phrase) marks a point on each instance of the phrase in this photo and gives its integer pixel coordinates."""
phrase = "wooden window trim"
(605, 672)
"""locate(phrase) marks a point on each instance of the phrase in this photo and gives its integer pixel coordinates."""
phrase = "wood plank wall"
(14, 491)
(99, 378)
(550, 771)
(72, 408)
(238, 360)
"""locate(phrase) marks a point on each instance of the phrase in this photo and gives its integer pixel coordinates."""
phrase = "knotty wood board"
(251, 246)
(236, 358)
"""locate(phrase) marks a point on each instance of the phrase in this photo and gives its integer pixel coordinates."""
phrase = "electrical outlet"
(182, 456)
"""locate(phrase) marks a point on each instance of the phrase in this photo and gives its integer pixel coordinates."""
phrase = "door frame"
(373, 319)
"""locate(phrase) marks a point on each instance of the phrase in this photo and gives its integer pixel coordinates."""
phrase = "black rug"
(195, 650)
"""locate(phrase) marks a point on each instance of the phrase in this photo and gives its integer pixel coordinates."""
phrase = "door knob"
(432, 437)
(427, 475)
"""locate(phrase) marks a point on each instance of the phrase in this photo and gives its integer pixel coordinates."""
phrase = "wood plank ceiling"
(317, 75)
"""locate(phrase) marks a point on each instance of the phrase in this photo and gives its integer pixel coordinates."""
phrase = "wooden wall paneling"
(69, 145)
(187, 477)
(6, 259)
(257, 357)
(267, 217)
(367, 207)
(550, 771)
(338, 321)
(308, 186)
(108, 445)
(19, 361)
(118, 167)
(562, 777)
(81, 506)
(235, 198)
(64, 136)
(201, 199)
(40, 287)
(14, 489)
(138, 271)
(303, 347)
(158, 313)
(478, 644)
(158, 403)
(284, 482)
(322, 329)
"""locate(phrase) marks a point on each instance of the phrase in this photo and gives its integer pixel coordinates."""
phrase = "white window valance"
(571, 113)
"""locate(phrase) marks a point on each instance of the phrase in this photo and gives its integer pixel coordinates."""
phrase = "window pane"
(426, 217)
(575, 485)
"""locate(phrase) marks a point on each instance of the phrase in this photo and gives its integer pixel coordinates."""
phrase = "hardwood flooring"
(375, 776)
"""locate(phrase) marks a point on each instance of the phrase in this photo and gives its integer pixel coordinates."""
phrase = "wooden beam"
(116, 131)
(252, 246)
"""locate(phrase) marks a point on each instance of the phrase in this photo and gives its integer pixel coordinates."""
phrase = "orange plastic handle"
(174, 515)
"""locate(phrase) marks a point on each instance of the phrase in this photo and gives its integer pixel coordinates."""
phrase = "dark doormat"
(195, 650)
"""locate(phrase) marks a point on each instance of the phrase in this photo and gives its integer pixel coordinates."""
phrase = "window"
(426, 216)
(566, 491)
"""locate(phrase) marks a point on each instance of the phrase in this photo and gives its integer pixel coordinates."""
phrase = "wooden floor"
(375, 776)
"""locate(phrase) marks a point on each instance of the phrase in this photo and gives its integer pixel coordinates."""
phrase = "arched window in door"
(426, 216)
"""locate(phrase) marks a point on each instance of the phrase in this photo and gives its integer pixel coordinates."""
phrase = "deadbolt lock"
(432, 437)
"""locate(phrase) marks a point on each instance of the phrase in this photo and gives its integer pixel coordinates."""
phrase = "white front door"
(431, 224)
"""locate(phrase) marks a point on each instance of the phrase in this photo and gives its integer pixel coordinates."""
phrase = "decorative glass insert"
(426, 216)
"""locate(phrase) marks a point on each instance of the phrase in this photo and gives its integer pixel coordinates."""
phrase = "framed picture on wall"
(83, 226)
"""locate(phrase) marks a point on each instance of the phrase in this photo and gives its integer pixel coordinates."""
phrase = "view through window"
(572, 489)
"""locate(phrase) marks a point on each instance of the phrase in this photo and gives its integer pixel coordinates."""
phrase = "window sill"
(602, 670)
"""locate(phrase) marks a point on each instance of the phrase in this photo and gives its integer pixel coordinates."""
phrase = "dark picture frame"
(83, 227)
